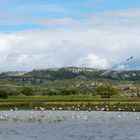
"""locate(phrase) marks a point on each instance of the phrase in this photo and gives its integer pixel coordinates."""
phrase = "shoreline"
(70, 103)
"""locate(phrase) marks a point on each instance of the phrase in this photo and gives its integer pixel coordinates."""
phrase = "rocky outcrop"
(28, 80)
(120, 75)
(44, 75)
(13, 73)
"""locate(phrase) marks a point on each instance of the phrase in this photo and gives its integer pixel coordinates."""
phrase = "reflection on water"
(69, 125)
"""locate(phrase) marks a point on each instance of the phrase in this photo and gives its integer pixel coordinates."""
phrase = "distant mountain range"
(43, 75)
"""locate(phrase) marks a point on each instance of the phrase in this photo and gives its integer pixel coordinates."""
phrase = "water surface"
(69, 125)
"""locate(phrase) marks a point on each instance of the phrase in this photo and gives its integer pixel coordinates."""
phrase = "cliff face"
(13, 73)
(44, 75)
(121, 75)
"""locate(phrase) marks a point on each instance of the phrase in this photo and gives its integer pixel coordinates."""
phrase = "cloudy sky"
(55, 33)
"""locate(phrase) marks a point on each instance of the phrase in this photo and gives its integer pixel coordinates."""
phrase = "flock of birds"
(40, 115)
(54, 116)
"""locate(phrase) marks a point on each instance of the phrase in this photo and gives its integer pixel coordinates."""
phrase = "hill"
(83, 80)
(44, 75)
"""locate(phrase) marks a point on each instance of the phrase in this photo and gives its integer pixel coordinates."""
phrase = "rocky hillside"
(75, 72)
(44, 75)
(12, 73)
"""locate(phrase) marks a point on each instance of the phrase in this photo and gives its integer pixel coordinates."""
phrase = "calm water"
(69, 125)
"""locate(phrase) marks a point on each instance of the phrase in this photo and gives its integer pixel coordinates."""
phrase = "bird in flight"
(130, 58)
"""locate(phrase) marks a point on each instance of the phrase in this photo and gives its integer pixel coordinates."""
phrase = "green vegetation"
(69, 92)
(73, 102)
(3, 94)
(71, 87)
(68, 87)
(28, 91)
(106, 91)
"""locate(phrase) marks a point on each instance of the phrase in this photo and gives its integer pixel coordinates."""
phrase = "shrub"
(106, 91)
(52, 92)
(69, 92)
(28, 91)
(3, 94)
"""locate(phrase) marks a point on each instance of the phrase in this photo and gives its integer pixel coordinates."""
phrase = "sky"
(38, 34)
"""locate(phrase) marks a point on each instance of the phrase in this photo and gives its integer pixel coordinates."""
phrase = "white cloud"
(89, 43)
(93, 61)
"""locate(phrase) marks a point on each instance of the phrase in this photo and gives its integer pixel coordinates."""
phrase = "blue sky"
(56, 33)
(23, 13)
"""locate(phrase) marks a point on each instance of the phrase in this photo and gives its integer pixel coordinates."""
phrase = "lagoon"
(69, 125)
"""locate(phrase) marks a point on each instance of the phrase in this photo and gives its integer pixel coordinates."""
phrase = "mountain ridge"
(72, 73)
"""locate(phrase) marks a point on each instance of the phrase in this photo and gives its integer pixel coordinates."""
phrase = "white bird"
(1, 117)
(119, 116)
(102, 109)
(42, 109)
(138, 118)
(16, 108)
(134, 109)
(85, 117)
(11, 109)
(78, 116)
(119, 109)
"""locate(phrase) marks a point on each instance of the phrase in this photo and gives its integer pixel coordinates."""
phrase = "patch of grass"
(70, 102)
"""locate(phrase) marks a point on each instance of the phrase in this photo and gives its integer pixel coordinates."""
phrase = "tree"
(106, 91)
(3, 94)
(69, 92)
(27, 91)
(52, 92)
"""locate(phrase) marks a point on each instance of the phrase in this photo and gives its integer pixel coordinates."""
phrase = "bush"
(3, 94)
(120, 95)
(106, 91)
(69, 92)
(28, 91)
(52, 92)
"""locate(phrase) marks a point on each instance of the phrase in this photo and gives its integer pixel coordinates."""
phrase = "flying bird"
(130, 58)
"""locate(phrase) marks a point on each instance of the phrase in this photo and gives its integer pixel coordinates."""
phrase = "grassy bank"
(71, 103)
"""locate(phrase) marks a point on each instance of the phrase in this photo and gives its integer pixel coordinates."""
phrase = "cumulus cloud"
(87, 43)
(93, 61)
